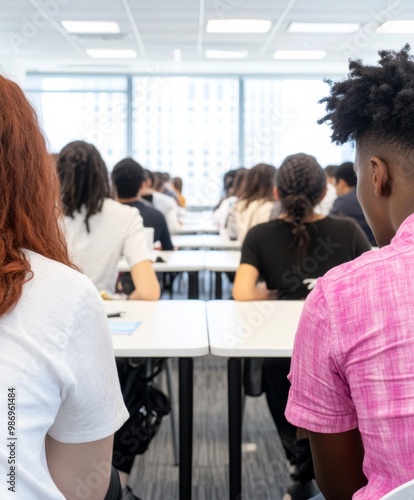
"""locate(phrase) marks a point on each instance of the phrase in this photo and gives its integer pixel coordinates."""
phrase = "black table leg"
(193, 285)
(218, 285)
(186, 427)
(235, 426)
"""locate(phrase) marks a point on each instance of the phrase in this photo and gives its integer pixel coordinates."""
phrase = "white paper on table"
(123, 327)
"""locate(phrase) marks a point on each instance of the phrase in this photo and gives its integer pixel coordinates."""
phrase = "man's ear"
(276, 193)
(380, 176)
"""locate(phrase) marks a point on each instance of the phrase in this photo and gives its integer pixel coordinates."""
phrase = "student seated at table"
(288, 254)
(346, 203)
(177, 186)
(60, 398)
(256, 202)
(128, 178)
(352, 366)
(101, 230)
(162, 202)
(221, 213)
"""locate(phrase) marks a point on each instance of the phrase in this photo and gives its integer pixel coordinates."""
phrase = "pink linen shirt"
(353, 360)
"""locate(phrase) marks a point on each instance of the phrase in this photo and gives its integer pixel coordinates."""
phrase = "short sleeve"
(92, 407)
(319, 397)
(135, 248)
(249, 252)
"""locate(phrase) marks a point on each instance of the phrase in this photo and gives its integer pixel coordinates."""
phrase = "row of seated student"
(352, 380)
(251, 197)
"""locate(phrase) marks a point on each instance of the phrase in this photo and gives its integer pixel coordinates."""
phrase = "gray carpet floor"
(265, 477)
(264, 474)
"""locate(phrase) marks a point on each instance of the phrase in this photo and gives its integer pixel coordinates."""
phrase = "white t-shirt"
(324, 207)
(220, 215)
(57, 360)
(117, 230)
(169, 208)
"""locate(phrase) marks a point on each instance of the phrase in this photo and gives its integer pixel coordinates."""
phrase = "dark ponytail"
(300, 182)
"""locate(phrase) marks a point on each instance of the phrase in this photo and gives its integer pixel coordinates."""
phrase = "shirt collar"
(405, 231)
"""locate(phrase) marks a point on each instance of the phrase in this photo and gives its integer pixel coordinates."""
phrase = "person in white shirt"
(256, 202)
(100, 230)
(162, 202)
(59, 413)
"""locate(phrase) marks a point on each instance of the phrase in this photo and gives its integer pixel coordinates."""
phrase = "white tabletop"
(204, 241)
(253, 329)
(175, 261)
(222, 260)
(168, 328)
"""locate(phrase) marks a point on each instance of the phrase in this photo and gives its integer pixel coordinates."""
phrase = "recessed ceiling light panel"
(402, 27)
(299, 54)
(238, 26)
(111, 53)
(323, 27)
(226, 54)
(102, 27)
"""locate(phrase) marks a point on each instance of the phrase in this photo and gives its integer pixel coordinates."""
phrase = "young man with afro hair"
(352, 371)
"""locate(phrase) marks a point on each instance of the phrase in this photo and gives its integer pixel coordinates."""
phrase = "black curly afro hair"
(375, 103)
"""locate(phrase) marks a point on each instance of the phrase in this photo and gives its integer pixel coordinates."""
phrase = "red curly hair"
(30, 210)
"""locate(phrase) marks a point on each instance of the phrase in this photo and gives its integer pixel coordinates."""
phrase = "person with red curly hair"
(58, 413)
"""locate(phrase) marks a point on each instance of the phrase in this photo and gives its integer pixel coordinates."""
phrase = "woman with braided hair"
(288, 254)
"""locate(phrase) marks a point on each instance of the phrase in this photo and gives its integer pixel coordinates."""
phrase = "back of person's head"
(259, 184)
(345, 172)
(228, 180)
(374, 107)
(239, 180)
(128, 177)
(30, 206)
(177, 182)
(301, 184)
(149, 177)
(84, 179)
(158, 183)
(330, 171)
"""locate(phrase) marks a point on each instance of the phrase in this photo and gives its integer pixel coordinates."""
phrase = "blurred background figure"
(325, 205)
(221, 213)
(162, 202)
(177, 185)
(255, 203)
(346, 203)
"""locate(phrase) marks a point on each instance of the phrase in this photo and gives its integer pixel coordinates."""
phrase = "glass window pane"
(189, 128)
(96, 117)
(81, 82)
(280, 119)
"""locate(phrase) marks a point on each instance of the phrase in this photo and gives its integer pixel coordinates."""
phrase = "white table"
(168, 329)
(190, 261)
(205, 241)
(222, 261)
(248, 329)
(197, 227)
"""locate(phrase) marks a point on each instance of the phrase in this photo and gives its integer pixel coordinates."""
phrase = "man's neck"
(127, 200)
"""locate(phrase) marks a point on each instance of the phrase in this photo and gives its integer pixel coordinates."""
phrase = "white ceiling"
(32, 39)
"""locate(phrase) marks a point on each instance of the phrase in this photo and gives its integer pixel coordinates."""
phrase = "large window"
(93, 109)
(189, 128)
(280, 119)
(192, 127)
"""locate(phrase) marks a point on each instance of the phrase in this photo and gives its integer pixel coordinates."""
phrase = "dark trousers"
(114, 491)
(276, 386)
